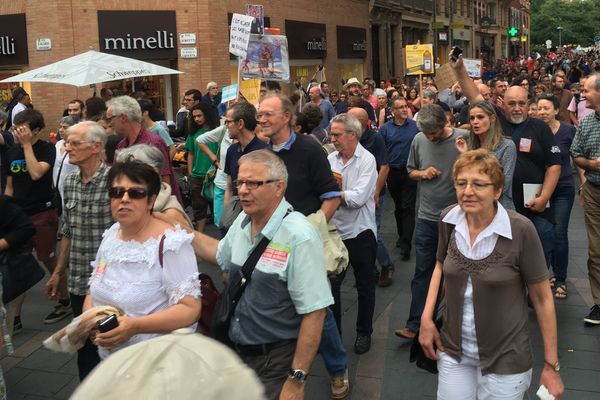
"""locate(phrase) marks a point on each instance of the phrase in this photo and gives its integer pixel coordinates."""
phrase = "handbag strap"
(161, 247)
(60, 170)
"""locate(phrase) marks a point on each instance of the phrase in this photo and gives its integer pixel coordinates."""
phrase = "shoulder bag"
(208, 186)
(20, 272)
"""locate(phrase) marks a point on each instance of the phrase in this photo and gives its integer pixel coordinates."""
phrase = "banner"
(267, 59)
(229, 93)
(419, 59)
(239, 34)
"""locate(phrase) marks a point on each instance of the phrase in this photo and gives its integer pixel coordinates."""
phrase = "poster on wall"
(266, 59)
(419, 59)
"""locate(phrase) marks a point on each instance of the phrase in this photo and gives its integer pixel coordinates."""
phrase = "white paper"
(240, 34)
(544, 394)
(531, 191)
(473, 67)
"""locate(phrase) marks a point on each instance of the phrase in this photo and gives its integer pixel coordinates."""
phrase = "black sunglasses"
(133, 193)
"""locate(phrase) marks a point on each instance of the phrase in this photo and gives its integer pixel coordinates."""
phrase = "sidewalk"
(383, 373)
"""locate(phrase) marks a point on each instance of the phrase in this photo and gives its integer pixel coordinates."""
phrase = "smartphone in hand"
(107, 324)
(456, 51)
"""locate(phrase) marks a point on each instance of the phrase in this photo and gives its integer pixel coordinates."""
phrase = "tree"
(580, 20)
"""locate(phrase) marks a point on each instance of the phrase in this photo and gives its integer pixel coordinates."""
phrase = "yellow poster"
(250, 89)
(419, 59)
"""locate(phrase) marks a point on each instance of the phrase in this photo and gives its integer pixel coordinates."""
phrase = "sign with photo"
(267, 59)
(258, 12)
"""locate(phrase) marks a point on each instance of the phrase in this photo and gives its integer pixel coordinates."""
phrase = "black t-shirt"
(536, 150)
(234, 152)
(33, 196)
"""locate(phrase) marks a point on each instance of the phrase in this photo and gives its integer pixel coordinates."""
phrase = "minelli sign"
(144, 35)
(13, 40)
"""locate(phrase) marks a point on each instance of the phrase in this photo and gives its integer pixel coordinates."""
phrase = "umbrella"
(91, 67)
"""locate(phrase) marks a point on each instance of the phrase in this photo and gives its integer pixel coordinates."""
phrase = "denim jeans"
(331, 348)
(383, 256)
(545, 230)
(562, 202)
(426, 241)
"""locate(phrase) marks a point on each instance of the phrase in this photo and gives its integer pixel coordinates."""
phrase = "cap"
(352, 81)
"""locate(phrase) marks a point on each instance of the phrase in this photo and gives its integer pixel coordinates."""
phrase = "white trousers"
(463, 381)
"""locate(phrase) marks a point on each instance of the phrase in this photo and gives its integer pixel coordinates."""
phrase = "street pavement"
(33, 372)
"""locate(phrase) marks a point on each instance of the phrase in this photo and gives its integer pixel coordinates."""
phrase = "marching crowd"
(482, 175)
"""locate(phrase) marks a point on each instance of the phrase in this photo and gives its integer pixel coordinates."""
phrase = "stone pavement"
(383, 373)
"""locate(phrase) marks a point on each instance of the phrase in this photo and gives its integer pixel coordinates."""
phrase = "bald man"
(374, 143)
(538, 156)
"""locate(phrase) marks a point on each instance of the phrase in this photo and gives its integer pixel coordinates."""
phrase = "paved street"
(383, 373)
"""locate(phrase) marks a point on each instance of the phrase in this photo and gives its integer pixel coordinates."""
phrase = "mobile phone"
(107, 324)
(456, 51)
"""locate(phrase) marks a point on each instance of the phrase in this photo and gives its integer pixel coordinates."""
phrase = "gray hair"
(431, 118)
(350, 122)
(430, 94)
(69, 120)
(276, 169)
(127, 106)
(93, 132)
(597, 81)
(143, 153)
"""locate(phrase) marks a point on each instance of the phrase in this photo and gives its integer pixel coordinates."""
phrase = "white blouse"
(128, 275)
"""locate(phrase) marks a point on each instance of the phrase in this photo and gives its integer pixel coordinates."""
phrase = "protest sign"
(267, 58)
(250, 89)
(419, 59)
(473, 67)
(239, 34)
(258, 12)
(445, 77)
(229, 93)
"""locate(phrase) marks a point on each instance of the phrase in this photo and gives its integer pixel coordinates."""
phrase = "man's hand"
(117, 336)
(51, 287)
(430, 173)
(24, 135)
(551, 379)
(537, 205)
(292, 391)
(459, 62)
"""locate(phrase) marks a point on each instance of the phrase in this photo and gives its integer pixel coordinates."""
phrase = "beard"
(517, 118)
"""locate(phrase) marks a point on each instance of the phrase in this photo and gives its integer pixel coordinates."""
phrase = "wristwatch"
(297, 375)
(555, 367)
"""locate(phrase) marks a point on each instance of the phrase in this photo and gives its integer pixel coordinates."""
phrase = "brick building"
(339, 28)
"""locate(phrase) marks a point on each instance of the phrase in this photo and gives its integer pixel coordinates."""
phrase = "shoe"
(385, 278)
(340, 386)
(362, 344)
(405, 333)
(59, 313)
(17, 326)
(592, 318)
(560, 291)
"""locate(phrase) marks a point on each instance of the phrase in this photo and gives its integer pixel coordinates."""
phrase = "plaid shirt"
(587, 143)
(86, 215)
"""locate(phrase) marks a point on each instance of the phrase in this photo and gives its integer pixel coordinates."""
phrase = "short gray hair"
(127, 106)
(430, 94)
(93, 132)
(431, 118)
(276, 169)
(350, 122)
(143, 153)
(69, 120)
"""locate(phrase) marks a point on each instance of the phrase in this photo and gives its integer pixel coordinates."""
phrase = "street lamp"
(560, 28)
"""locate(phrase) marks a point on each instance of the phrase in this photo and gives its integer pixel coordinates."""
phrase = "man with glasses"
(538, 156)
(86, 216)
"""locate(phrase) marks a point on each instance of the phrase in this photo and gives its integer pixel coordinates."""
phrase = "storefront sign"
(461, 34)
(144, 35)
(443, 37)
(419, 59)
(306, 40)
(351, 42)
(13, 40)
(437, 25)
(457, 25)
(239, 34)
(43, 44)
(188, 52)
(187, 38)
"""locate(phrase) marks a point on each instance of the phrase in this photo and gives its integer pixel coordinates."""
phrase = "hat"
(350, 82)
(180, 365)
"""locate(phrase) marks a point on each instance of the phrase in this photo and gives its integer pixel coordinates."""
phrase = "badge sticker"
(525, 145)
(339, 178)
(101, 268)
(274, 259)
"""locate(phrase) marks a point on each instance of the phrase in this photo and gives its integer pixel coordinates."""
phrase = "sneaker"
(385, 278)
(594, 316)
(405, 333)
(59, 313)
(340, 386)
(17, 326)
(362, 344)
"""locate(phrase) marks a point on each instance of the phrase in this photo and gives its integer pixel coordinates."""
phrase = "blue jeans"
(426, 241)
(383, 256)
(331, 348)
(562, 202)
(545, 230)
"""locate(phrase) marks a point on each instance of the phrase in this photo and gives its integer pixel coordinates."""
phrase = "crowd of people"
(483, 176)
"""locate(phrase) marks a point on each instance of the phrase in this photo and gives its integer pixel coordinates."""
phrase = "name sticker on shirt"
(339, 178)
(274, 259)
(101, 269)
(525, 145)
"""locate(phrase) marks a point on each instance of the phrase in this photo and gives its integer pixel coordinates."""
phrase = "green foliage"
(580, 20)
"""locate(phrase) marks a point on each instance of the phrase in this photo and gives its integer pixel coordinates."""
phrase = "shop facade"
(14, 56)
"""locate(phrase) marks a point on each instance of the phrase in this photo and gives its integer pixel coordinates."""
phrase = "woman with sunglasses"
(143, 266)
(564, 195)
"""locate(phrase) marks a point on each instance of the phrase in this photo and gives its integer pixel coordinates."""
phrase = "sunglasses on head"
(133, 193)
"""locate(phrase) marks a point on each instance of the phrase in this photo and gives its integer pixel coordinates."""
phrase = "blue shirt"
(328, 113)
(398, 139)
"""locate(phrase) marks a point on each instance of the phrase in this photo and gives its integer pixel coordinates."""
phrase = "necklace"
(133, 236)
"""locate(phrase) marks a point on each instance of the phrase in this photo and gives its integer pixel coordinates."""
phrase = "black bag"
(231, 294)
(56, 197)
(20, 272)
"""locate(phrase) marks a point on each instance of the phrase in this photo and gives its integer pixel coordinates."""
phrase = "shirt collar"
(358, 152)
(500, 225)
(97, 175)
(272, 226)
(288, 144)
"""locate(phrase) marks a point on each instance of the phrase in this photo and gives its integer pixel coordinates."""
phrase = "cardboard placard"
(240, 34)
(250, 89)
(229, 93)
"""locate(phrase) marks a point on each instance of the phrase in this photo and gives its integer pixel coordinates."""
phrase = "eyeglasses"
(268, 114)
(229, 121)
(76, 143)
(251, 185)
(133, 193)
(476, 186)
